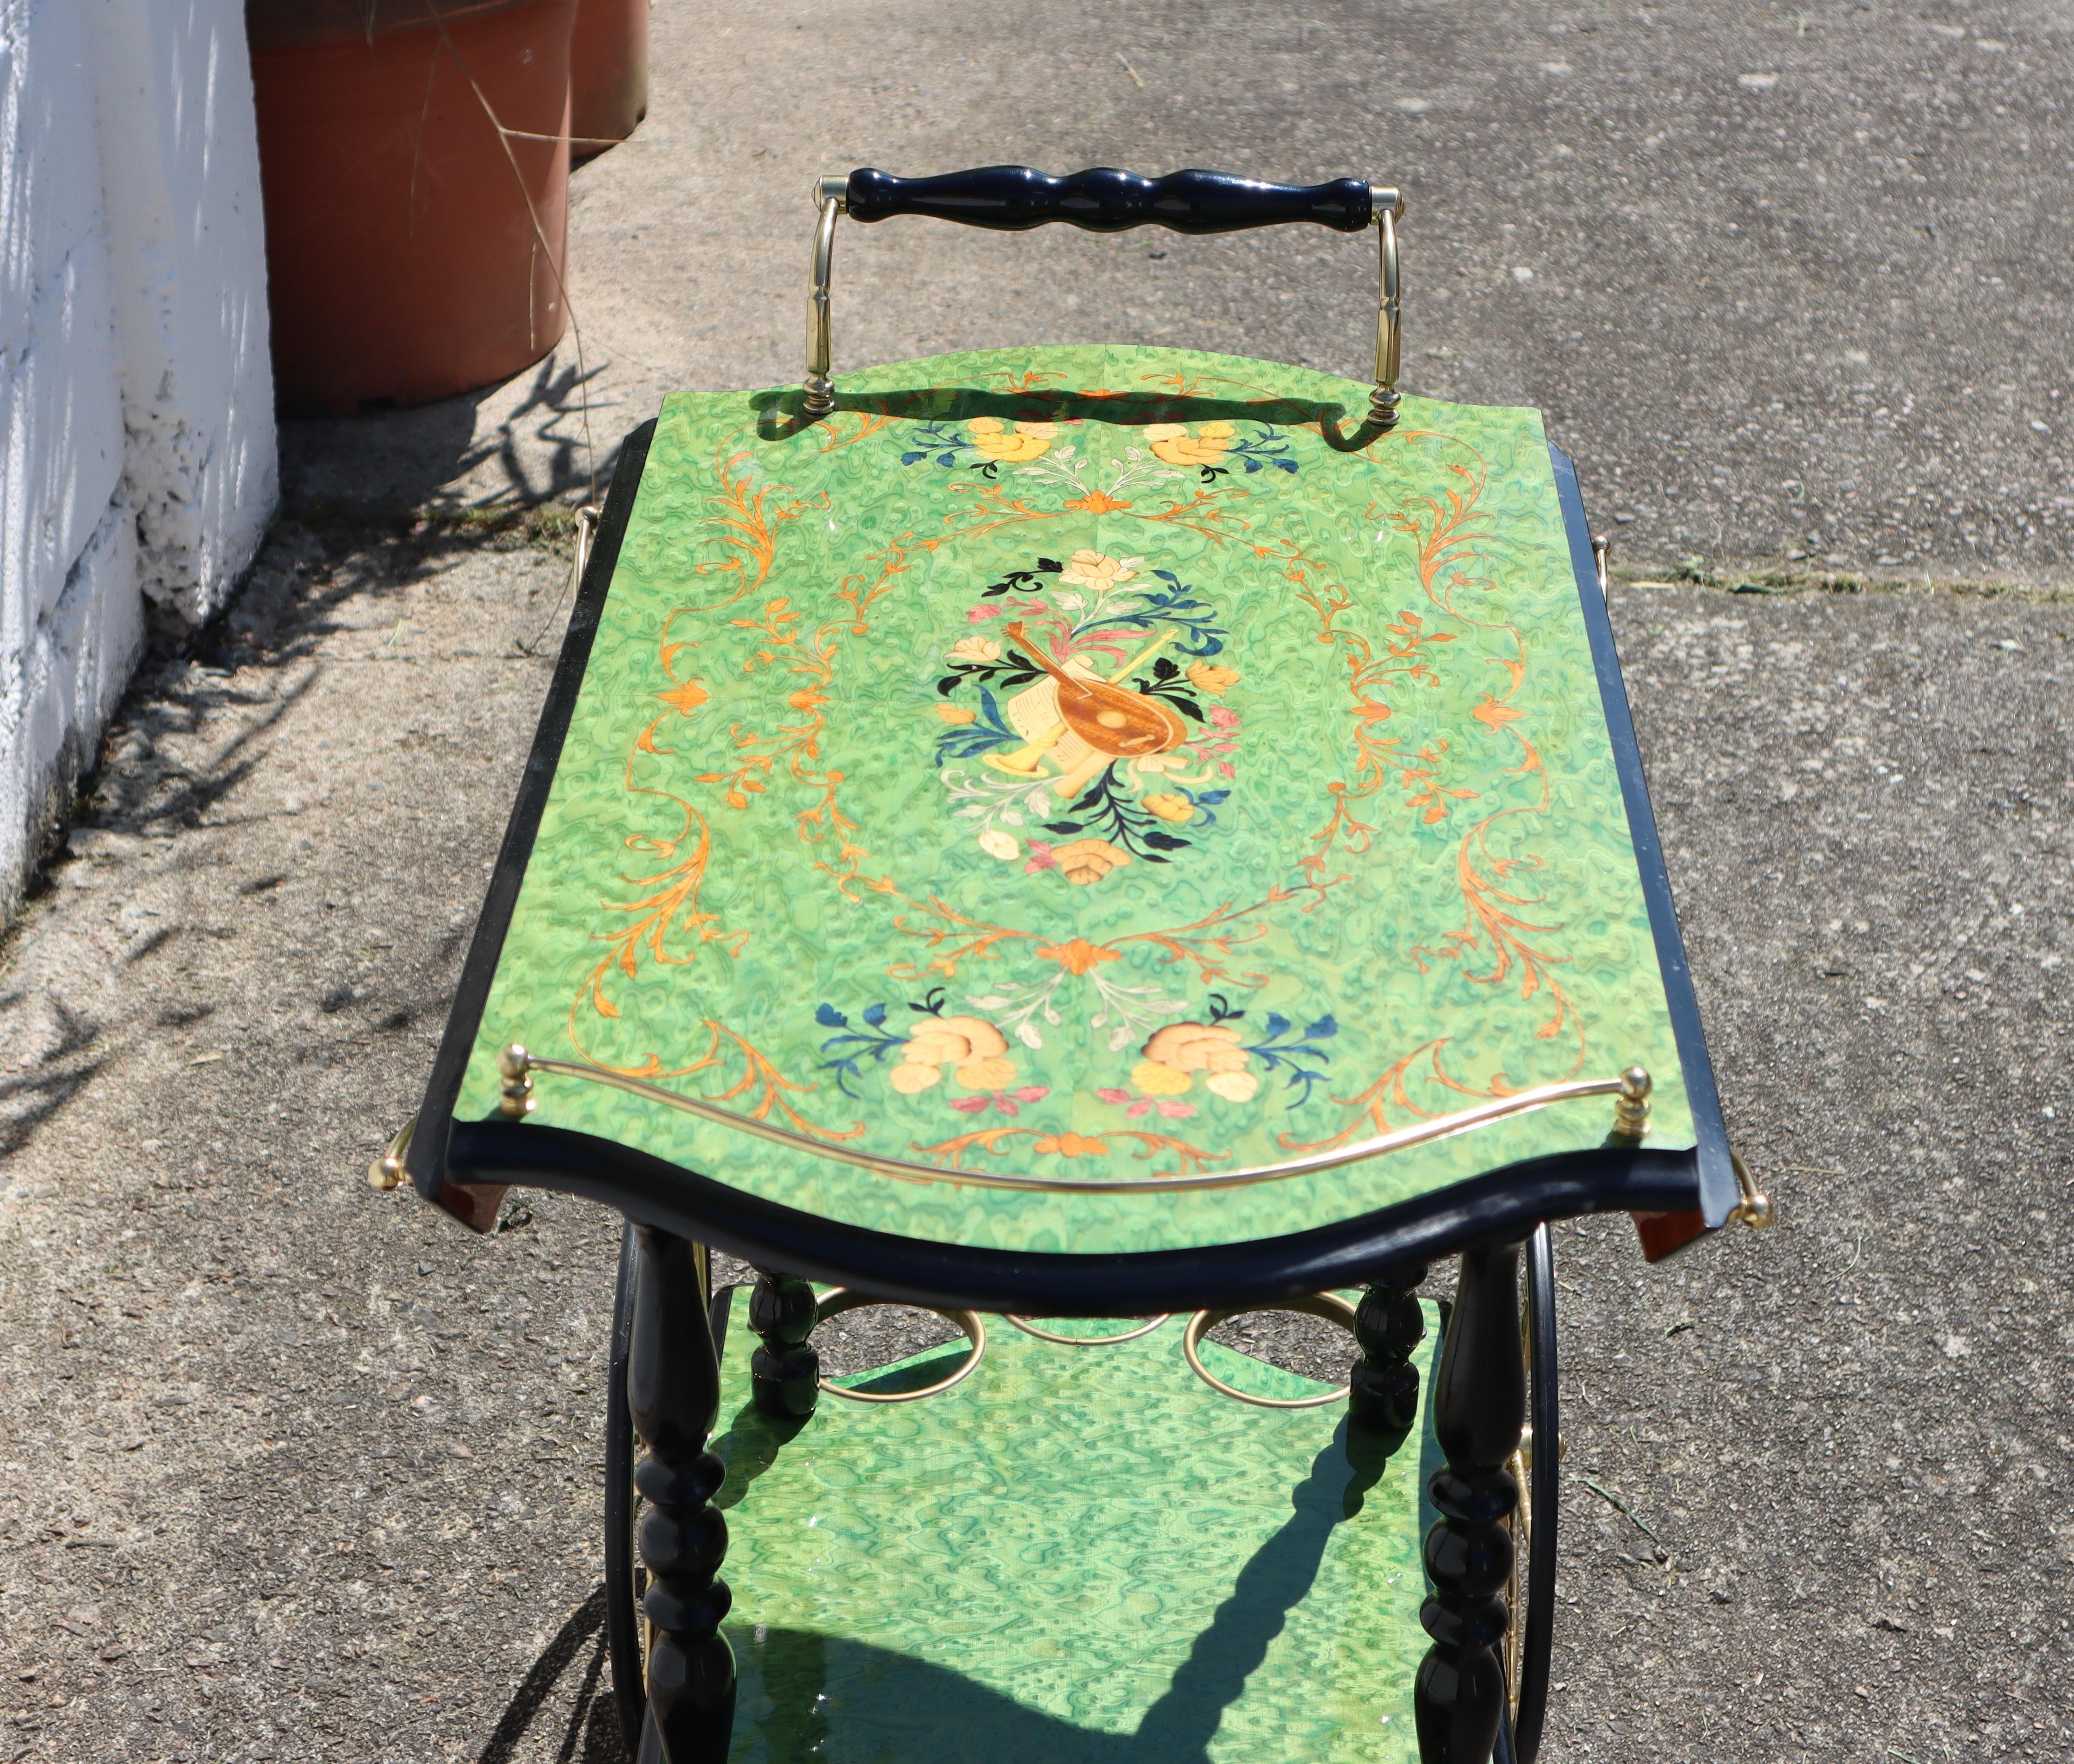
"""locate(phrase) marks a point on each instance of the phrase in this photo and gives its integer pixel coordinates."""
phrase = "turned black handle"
(1013, 198)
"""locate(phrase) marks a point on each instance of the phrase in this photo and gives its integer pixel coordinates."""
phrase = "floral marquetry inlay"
(1094, 761)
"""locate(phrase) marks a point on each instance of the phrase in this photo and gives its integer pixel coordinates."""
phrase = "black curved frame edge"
(427, 1159)
(1504, 1203)
(1718, 1190)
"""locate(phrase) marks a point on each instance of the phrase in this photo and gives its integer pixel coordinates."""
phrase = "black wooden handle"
(1012, 198)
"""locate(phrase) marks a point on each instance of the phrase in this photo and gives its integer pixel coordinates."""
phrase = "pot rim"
(283, 24)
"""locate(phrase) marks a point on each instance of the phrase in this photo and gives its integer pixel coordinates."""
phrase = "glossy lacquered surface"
(463, 1163)
(1079, 1554)
(1109, 771)
(1012, 198)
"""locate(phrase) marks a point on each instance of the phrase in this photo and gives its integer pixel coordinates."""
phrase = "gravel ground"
(295, 1470)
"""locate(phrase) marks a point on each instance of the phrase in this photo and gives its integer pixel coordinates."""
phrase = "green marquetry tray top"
(839, 840)
(1079, 1553)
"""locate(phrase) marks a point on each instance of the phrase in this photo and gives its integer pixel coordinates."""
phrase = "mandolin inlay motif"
(1093, 760)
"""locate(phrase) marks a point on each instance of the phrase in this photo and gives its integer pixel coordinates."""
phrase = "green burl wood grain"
(1388, 873)
(1078, 1554)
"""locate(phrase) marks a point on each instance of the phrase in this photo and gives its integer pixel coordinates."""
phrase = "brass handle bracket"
(1389, 309)
(831, 198)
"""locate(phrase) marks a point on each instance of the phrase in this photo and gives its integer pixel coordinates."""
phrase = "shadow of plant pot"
(413, 157)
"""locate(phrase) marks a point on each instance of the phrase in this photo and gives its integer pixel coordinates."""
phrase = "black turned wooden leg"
(673, 1391)
(1388, 1324)
(1479, 1403)
(784, 1373)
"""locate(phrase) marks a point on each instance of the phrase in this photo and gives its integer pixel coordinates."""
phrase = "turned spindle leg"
(784, 1373)
(1479, 1403)
(1388, 1325)
(673, 1389)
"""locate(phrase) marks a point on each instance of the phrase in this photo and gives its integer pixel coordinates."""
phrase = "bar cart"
(1092, 841)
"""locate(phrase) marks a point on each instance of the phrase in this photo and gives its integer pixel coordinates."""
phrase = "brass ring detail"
(841, 1298)
(1327, 1305)
(1028, 1328)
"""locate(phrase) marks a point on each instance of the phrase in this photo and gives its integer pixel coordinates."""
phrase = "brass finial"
(516, 1098)
(1631, 1106)
(387, 1172)
(1754, 1209)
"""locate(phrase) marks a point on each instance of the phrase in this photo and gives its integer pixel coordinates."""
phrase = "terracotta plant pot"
(608, 74)
(412, 252)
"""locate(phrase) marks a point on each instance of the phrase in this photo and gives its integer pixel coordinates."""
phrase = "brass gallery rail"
(516, 1067)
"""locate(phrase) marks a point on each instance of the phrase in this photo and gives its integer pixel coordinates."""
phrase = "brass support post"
(1631, 1104)
(830, 200)
(515, 1073)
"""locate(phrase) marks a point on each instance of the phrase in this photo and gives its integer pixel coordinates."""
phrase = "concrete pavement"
(292, 1470)
(295, 1470)
(1792, 282)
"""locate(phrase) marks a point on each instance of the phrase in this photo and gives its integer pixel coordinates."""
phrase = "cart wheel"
(626, 1628)
(1529, 1643)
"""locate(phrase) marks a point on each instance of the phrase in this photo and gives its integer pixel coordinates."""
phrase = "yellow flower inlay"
(1173, 442)
(1012, 444)
(1234, 1086)
(1155, 1080)
(1097, 571)
(1169, 806)
(994, 1074)
(1196, 1046)
(1087, 860)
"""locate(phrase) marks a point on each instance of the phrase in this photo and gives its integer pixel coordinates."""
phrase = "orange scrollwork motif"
(950, 1153)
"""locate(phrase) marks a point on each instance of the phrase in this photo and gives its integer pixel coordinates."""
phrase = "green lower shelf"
(1079, 1554)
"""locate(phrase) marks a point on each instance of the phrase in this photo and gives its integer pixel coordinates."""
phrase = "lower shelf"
(1076, 1555)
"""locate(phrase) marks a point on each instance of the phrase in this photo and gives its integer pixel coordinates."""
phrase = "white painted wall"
(137, 455)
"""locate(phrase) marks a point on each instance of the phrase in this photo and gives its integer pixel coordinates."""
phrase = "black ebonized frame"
(465, 1165)
(1719, 1192)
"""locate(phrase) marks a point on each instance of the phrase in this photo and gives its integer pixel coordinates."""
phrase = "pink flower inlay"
(1134, 1107)
(1006, 1102)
